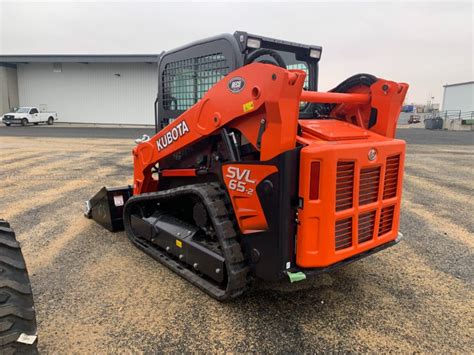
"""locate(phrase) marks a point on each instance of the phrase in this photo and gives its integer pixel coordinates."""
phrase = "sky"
(425, 44)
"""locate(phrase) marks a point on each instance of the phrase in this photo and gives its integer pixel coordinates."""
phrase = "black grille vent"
(343, 233)
(344, 185)
(366, 226)
(369, 185)
(391, 177)
(386, 220)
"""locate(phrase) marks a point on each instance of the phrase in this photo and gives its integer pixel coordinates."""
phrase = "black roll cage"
(235, 49)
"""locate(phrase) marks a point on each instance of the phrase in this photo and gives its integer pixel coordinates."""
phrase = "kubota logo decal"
(172, 135)
(372, 154)
(236, 84)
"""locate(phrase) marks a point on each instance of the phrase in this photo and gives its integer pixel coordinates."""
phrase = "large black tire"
(50, 121)
(7, 124)
(17, 312)
(24, 122)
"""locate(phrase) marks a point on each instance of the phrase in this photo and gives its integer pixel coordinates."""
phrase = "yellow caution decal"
(249, 106)
(179, 243)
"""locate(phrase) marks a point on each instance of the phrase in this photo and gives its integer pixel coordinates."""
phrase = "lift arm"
(261, 93)
(266, 92)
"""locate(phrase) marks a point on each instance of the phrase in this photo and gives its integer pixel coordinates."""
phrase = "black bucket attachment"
(106, 206)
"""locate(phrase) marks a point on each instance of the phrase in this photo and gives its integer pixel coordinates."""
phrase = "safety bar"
(334, 98)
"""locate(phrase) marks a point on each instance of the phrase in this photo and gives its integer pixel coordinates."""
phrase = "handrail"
(452, 114)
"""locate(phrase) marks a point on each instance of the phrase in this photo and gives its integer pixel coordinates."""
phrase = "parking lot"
(95, 292)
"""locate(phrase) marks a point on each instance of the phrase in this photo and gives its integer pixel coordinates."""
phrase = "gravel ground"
(97, 293)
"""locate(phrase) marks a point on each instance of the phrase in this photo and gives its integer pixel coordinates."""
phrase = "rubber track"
(17, 312)
(213, 197)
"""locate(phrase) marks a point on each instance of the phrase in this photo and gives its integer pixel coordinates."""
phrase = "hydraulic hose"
(322, 110)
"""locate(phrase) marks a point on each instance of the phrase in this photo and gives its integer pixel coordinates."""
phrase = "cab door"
(34, 115)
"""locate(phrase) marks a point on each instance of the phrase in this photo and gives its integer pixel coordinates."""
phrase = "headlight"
(253, 43)
(315, 53)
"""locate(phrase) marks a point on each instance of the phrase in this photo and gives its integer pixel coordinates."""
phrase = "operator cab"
(188, 72)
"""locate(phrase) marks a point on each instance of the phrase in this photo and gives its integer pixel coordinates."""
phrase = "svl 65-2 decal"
(242, 181)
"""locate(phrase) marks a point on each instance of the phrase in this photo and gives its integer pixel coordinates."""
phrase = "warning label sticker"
(118, 200)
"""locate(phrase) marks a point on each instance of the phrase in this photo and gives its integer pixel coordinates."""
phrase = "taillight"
(314, 184)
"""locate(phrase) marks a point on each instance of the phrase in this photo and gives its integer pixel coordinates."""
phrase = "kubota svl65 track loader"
(253, 173)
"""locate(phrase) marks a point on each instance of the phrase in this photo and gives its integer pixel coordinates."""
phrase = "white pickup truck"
(25, 115)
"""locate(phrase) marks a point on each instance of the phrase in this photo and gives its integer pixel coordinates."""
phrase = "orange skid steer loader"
(253, 173)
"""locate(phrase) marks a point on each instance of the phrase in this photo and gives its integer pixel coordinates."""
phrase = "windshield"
(291, 63)
(23, 110)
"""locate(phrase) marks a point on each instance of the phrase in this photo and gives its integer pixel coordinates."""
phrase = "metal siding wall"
(92, 93)
(8, 89)
(459, 97)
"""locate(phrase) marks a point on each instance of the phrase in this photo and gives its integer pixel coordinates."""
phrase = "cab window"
(292, 63)
(185, 82)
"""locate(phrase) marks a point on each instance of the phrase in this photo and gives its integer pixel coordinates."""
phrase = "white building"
(114, 89)
(8, 87)
(459, 97)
